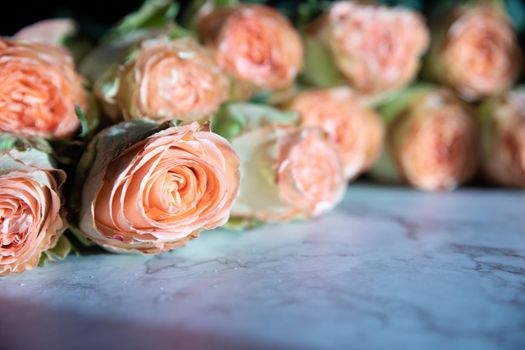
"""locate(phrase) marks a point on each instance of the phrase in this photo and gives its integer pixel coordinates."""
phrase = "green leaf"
(80, 237)
(177, 32)
(319, 68)
(152, 14)
(307, 11)
(397, 102)
(10, 141)
(236, 117)
(84, 130)
(261, 97)
(225, 3)
(60, 251)
(7, 142)
(242, 224)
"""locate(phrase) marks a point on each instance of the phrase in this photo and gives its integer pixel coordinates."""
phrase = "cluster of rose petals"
(435, 143)
(288, 172)
(160, 191)
(377, 48)
(168, 79)
(30, 204)
(352, 125)
(39, 89)
(503, 138)
(309, 172)
(255, 44)
(479, 54)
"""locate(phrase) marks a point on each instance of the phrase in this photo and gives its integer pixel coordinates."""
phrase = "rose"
(353, 126)
(165, 80)
(431, 140)
(38, 90)
(286, 171)
(30, 209)
(303, 178)
(255, 44)
(376, 48)
(475, 52)
(149, 190)
(503, 138)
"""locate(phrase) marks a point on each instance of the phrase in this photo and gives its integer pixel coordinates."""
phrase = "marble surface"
(391, 268)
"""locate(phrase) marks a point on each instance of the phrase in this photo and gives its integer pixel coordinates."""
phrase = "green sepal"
(152, 14)
(80, 238)
(319, 68)
(177, 32)
(399, 101)
(59, 252)
(261, 97)
(84, 128)
(237, 117)
(242, 224)
(307, 11)
(10, 141)
(225, 3)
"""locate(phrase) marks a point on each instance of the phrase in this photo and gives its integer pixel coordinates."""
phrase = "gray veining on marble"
(391, 268)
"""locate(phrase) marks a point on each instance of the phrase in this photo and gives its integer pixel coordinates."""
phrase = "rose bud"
(30, 207)
(164, 79)
(475, 51)
(502, 122)
(151, 188)
(431, 140)
(376, 48)
(255, 44)
(287, 171)
(39, 89)
(354, 127)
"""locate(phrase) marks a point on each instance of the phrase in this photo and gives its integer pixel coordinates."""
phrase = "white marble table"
(391, 268)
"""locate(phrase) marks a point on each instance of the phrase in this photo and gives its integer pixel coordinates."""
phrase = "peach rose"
(287, 172)
(476, 52)
(38, 90)
(376, 48)
(165, 80)
(255, 44)
(503, 138)
(150, 194)
(353, 126)
(30, 209)
(433, 141)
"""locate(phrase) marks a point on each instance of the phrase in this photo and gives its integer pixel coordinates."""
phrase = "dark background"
(93, 15)
(96, 16)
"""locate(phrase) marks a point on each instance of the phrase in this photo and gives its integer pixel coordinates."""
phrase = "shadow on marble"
(68, 330)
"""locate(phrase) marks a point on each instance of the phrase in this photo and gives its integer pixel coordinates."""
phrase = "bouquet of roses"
(185, 118)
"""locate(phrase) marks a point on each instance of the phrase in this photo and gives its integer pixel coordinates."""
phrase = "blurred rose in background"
(350, 123)
(431, 140)
(503, 138)
(164, 79)
(475, 51)
(376, 48)
(39, 89)
(256, 44)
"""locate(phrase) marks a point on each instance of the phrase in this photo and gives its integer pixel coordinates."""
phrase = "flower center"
(14, 224)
